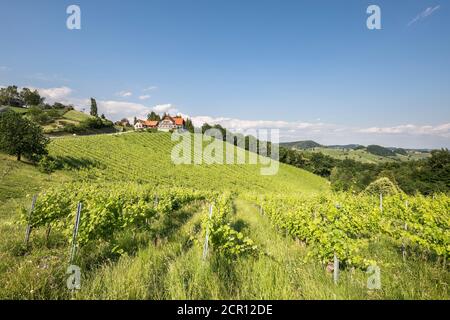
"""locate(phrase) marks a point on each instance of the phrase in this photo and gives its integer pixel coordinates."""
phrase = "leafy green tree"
(38, 115)
(189, 125)
(21, 137)
(94, 110)
(10, 97)
(31, 98)
(152, 116)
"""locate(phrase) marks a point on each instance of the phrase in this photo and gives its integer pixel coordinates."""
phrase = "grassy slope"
(73, 116)
(146, 157)
(76, 116)
(366, 157)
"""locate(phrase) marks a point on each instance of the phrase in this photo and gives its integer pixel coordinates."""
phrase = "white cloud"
(408, 135)
(151, 88)
(47, 77)
(144, 97)
(116, 110)
(238, 124)
(442, 130)
(124, 94)
(55, 94)
(168, 108)
(424, 14)
(120, 109)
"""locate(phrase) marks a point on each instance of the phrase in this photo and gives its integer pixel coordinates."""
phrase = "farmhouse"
(166, 124)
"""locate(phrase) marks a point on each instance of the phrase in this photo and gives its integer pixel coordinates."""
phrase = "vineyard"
(140, 227)
(146, 158)
(345, 225)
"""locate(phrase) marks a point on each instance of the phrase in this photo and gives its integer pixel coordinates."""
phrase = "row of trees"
(11, 96)
(427, 176)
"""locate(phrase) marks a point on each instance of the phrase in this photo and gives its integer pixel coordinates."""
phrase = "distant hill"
(307, 144)
(380, 151)
(371, 154)
(346, 146)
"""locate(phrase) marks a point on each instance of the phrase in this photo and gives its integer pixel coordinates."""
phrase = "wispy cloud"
(124, 94)
(144, 97)
(47, 77)
(442, 130)
(151, 88)
(4, 68)
(424, 14)
(411, 135)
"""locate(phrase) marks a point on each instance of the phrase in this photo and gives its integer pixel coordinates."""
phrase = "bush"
(38, 115)
(71, 128)
(48, 164)
(383, 186)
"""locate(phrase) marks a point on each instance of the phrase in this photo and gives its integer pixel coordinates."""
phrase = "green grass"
(76, 116)
(18, 110)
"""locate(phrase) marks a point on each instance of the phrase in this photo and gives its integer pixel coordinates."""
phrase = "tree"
(152, 116)
(31, 98)
(94, 110)
(10, 96)
(134, 121)
(38, 115)
(103, 116)
(189, 125)
(21, 137)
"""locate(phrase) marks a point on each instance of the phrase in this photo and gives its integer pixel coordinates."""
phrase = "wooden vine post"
(29, 226)
(335, 269)
(381, 202)
(75, 232)
(205, 246)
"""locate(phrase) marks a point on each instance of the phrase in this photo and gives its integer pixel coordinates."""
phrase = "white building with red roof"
(168, 123)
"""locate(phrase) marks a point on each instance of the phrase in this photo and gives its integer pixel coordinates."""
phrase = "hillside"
(371, 154)
(146, 158)
(64, 121)
(307, 144)
(142, 158)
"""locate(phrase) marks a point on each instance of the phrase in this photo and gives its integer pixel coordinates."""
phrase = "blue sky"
(310, 68)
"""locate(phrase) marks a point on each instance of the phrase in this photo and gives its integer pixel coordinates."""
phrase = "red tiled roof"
(179, 121)
(150, 123)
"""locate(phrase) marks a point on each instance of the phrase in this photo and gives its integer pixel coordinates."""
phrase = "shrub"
(383, 186)
(48, 164)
